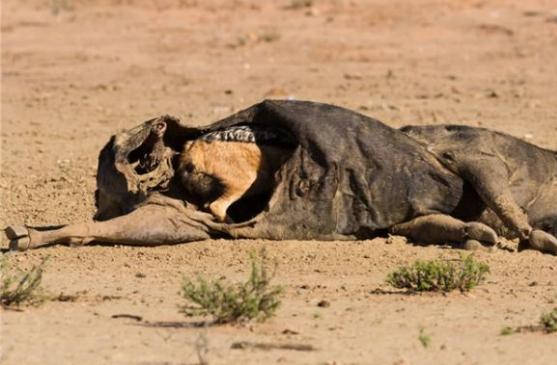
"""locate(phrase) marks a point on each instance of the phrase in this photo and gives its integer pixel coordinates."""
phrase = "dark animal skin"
(349, 177)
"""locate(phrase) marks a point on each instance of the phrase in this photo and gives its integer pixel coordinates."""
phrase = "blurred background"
(76, 71)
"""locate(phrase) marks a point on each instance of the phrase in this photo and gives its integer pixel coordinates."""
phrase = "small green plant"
(439, 275)
(22, 287)
(548, 321)
(253, 299)
(424, 338)
(507, 330)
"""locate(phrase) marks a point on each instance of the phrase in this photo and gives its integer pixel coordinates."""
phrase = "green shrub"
(253, 299)
(439, 275)
(22, 287)
(548, 321)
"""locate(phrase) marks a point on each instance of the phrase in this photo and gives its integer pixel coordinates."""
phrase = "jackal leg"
(235, 189)
(150, 224)
(220, 206)
(440, 228)
(490, 179)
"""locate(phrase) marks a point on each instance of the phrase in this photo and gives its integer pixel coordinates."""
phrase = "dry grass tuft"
(548, 321)
(229, 303)
(21, 288)
(439, 275)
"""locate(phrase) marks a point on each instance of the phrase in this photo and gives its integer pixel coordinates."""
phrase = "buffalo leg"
(151, 224)
(489, 178)
(440, 228)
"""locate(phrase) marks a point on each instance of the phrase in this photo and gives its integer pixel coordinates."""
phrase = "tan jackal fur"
(221, 170)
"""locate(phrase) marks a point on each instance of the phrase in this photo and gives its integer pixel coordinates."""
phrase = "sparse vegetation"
(548, 321)
(424, 338)
(299, 4)
(547, 324)
(226, 303)
(269, 36)
(439, 275)
(505, 331)
(21, 288)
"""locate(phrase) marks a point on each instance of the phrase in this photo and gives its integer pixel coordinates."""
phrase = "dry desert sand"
(76, 71)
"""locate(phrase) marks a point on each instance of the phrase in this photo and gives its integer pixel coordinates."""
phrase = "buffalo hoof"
(480, 232)
(543, 241)
(19, 237)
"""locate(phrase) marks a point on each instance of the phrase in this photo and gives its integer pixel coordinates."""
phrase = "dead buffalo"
(343, 176)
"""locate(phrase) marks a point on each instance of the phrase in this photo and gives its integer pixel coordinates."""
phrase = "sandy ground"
(75, 72)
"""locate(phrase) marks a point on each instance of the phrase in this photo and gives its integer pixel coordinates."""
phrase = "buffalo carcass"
(346, 177)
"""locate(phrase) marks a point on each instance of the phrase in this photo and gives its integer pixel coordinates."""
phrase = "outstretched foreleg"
(150, 224)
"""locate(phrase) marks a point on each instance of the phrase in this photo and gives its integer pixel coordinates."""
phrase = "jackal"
(223, 166)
